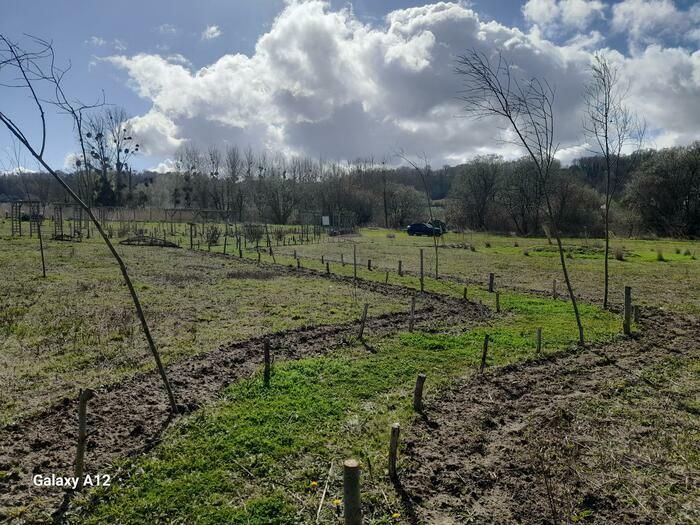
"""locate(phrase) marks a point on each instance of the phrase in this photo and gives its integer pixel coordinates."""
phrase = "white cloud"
(18, 171)
(566, 14)
(649, 21)
(70, 160)
(322, 82)
(119, 45)
(167, 166)
(167, 29)
(211, 32)
(96, 41)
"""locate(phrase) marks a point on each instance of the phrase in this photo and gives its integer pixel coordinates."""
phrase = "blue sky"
(643, 33)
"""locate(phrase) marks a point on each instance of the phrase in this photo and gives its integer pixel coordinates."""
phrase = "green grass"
(673, 283)
(262, 455)
(77, 328)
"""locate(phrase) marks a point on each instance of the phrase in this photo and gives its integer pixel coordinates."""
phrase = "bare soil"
(603, 434)
(129, 418)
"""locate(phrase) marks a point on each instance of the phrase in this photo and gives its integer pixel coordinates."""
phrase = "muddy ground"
(597, 435)
(128, 418)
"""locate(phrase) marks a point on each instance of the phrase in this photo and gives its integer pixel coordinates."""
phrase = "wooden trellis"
(16, 218)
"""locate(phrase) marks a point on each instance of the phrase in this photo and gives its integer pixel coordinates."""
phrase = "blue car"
(420, 228)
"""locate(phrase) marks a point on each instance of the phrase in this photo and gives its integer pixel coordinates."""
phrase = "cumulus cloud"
(211, 32)
(571, 14)
(322, 82)
(649, 21)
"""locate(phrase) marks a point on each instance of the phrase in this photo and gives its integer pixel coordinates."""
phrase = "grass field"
(77, 329)
(264, 455)
(532, 263)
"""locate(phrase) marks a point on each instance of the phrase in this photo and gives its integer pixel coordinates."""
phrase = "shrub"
(619, 253)
(487, 244)
(678, 251)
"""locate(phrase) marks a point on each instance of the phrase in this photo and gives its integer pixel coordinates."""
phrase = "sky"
(341, 80)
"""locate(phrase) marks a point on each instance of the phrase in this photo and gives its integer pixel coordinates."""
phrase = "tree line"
(658, 195)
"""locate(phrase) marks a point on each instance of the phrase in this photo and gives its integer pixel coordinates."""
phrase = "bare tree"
(37, 69)
(611, 126)
(424, 171)
(528, 108)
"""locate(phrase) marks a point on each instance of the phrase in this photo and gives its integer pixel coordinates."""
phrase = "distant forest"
(657, 192)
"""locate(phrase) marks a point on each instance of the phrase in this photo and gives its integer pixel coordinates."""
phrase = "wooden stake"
(400, 270)
(369, 264)
(498, 302)
(418, 393)
(342, 260)
(636, 314)
(554, 288)
(491, 279)
(85, 396)
(465, 293)
(351, 492)
(422, 282)
(483, 354)
(266, 358)
(41, 248)
(627, 324)
(298, 263)
(362, 322)
(354, 261)
(539, 340)
(386, 278)
(328, 268)
(393, 450)
(413, 313)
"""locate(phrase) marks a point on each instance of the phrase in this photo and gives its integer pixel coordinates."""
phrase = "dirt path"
(489, 447)
(129, 417)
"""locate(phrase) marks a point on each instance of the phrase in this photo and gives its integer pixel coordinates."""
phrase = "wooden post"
(85, 396)
(400, 270)
(636, 313)
(418, 393)
(258, 256)
(351, 492)
(323, 260)
(422, 282)
(465, 293)
(393, 450)
(386, 278)
(539, 340)
(483, 353)
(41, 248)
(342, 260)
(498, 302)
(328, 268)
(295, 253)
(225, 238)
(554, 288)
(266, 356)
(491, 279)
(362, 322)
(369, 264)
(627, 324)
(354, 261)
(413, 313)
(191, 236)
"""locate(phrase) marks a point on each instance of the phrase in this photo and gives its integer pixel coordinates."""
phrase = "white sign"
(326, 220)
